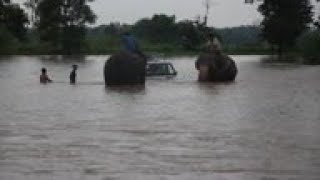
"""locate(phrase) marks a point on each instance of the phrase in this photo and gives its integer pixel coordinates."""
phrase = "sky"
(223, 13)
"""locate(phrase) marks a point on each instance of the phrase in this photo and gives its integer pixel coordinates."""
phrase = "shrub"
(309, 45)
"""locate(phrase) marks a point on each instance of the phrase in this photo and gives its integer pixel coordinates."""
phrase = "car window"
(160, 69)
(171, 70)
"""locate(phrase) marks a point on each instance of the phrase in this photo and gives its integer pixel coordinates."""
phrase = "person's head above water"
(44, 71)
(74, 67)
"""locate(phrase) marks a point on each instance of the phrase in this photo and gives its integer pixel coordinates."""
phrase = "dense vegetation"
(161, 33)
(284, 21)
(62, 24)
(309, 46)
(13, 23)
(61, 27)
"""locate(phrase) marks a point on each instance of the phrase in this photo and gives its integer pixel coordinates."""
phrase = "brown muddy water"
(265, 126)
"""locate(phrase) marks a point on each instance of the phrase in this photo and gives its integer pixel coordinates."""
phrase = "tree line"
(60, 24)
(60, 27)
(162, 33)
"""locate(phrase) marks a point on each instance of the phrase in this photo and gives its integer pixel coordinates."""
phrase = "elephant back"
(124, 69)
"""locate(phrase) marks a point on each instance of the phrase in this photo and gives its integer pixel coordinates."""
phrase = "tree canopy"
(61, 27)
(62, 23)
(284, 21)
(13, 18)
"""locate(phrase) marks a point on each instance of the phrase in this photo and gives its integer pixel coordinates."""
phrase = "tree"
(112, 29)
(16, 21)
(13, 22)
(284, 21)
(160, 28)
(62, 23)
(317, 22)
(309, 46)
(195, 33)
(32, 6)
(49, 26)
(189, 33)
(13, 18)
(2, 4)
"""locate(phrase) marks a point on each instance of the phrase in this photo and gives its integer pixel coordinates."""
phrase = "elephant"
(124, 68)
(216, 67)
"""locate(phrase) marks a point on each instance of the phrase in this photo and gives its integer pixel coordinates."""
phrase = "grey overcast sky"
(223, 13)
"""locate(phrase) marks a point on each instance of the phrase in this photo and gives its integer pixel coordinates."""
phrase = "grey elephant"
(216, 67)
(124, 68)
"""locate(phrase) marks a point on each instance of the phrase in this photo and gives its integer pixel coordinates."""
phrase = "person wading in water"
(73, 74)
(44, 78)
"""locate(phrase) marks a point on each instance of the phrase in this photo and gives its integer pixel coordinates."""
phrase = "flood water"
(264, 126)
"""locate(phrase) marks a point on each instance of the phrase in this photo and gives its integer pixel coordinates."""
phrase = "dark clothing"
(130, 45)
(73, 77)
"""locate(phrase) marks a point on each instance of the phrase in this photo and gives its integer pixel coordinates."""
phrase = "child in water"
(44, 78)
(73, 74)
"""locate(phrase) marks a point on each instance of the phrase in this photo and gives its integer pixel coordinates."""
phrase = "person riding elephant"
(127, 67)
(213, 64)
(213, 44)
(130, 45)
(123, 68)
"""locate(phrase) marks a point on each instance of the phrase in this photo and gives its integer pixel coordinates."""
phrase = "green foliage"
(309, 45)
(190, 34)
(101, 44)
(16, 21)
(8, 42)
(32, 6)
(243, 35)
(49, 25)
(62, 24)
(317, 23)
(3, 3)
(284, 21)
(163, 29)
(14, 18)
(160, 28)
(13, 23)
(161, 33)
(186, 39)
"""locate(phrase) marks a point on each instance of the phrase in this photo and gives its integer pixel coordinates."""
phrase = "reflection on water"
(263, 126)
(135, 89)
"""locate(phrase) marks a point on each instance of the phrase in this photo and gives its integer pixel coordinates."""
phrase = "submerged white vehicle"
(160, 68)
